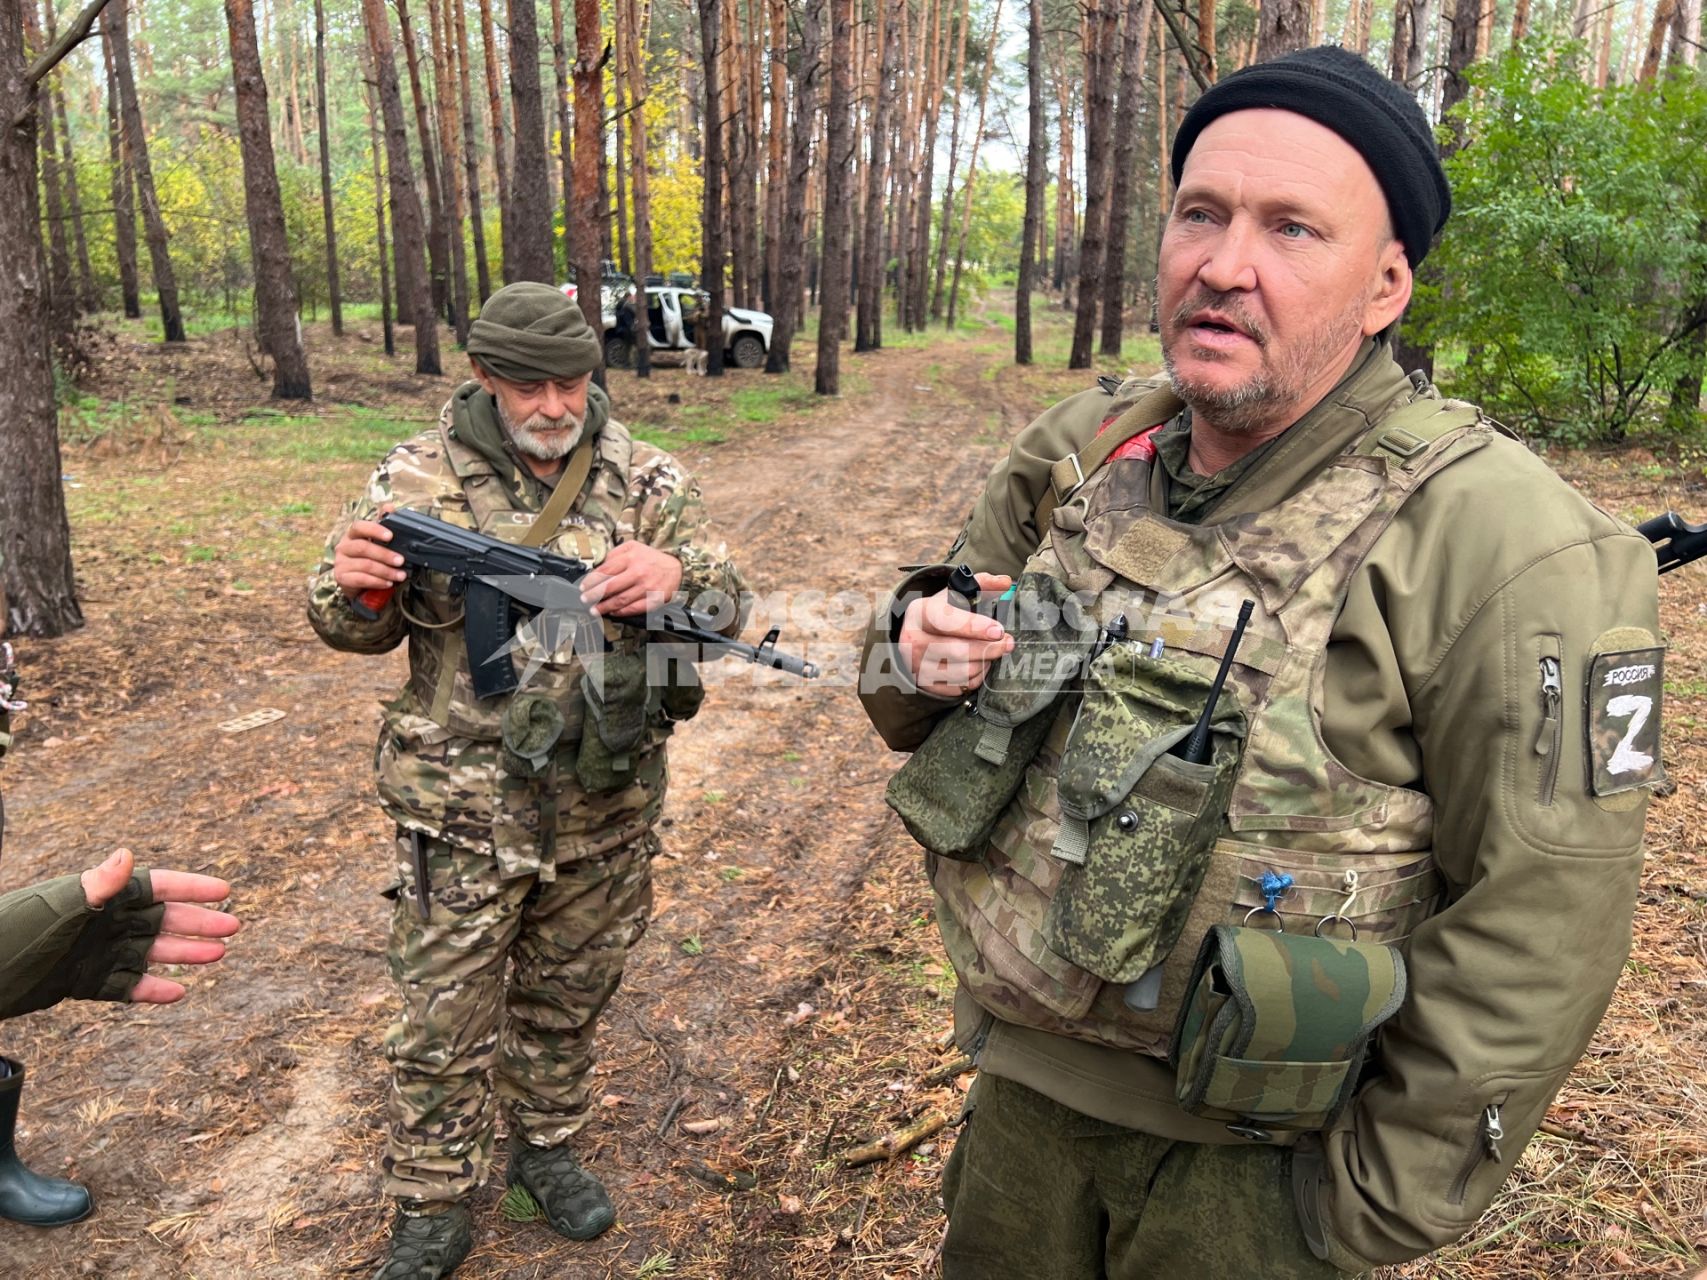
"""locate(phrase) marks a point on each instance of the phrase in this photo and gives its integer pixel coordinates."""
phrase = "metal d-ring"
(1279, 924)
(1329, 919)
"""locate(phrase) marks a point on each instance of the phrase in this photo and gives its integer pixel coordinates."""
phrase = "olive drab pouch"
(1138, 823)
(532, 726)
(1275, 1026)
(954, 787)
(615, 695)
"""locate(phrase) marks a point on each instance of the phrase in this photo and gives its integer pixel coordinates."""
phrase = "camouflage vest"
(1355, 848)
(439, 680)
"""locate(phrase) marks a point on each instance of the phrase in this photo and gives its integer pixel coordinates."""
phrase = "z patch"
(1624, 692)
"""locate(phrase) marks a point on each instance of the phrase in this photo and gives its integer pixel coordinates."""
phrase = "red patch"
(1138, 446)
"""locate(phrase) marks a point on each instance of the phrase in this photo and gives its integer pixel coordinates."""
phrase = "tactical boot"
(574, 1200)
(24, 1196)
(428, 1246)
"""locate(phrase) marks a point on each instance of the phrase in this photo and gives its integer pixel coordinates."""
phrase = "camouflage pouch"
(1275, 1026)
(1137, 824)
(615, 694)
(954, 787)
(532, 726)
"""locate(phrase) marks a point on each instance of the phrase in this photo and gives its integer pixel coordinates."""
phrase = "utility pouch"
(614, 693)
(1137, 823)
(954, 787)
(1275, 1026)
(531, 728)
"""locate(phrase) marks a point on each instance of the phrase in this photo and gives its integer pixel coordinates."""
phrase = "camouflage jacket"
(1457, 762)
(439, 760)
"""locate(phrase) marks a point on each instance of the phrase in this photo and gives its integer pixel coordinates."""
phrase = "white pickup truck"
(673, 315)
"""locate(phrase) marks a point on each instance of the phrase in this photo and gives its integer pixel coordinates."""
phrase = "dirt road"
(237, 1133)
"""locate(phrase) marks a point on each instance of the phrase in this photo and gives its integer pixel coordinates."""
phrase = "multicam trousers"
(1036, 1189)
(505, 979)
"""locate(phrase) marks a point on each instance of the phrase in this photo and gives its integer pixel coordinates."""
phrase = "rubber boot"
(428, 1246)
(24, 1196)
(574, 1200)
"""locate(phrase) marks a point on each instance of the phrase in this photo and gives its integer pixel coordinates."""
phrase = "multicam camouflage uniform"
(533, 872)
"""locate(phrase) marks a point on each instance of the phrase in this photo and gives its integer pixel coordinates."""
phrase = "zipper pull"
(1493, 1132)
(1552, 692)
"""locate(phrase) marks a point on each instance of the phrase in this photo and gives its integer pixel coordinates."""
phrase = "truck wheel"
(748, 351)
(619, 352)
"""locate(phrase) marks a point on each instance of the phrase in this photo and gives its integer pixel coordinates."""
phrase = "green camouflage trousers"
(1034, 1188)
(505, 978)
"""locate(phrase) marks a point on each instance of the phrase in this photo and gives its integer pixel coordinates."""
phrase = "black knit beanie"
(1337, 89)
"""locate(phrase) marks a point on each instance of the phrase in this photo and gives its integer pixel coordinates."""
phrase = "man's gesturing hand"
(633, 578)
(188, 934)
(947, 649)
(361, 561)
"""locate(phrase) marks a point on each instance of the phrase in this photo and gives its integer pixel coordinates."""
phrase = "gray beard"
(522, 434)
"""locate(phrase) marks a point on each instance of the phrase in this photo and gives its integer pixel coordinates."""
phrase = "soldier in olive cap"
(524, 829)
(1290, 1005)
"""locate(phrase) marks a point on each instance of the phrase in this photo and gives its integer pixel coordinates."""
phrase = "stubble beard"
(524, 435)
(1281, 379)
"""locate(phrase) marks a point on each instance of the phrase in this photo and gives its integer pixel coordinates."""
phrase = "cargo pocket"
(1138, 823)
(954, 787)
(615, 694)
(1275, 1027)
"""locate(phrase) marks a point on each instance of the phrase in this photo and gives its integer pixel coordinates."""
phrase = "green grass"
(669, 437)
(342, 434)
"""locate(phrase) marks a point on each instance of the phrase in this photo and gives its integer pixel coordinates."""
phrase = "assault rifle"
(1676, 542)
(499, 582)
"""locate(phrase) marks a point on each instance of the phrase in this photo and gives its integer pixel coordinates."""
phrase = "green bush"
(1574, 268)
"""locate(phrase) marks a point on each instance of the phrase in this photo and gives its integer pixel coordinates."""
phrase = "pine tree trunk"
(35, 537)
(450, 149)
(123, 194)
(1206, 59)
(808, 75)
(1411, 22)
(530, 189)
(960, 33)
(136, 147)
(337, 296)
(1102, 32)
(1283, 26)
(1064, 199)
(917, 284)
(438, 237)
(1036, 176)
(776, 179)
(631, 40)
(991, 42)
(61, 293)
(586, 234)
(471, 156)
(269, 252)
(713, 247)
(1125, 154)
(868, 318)
(408, 224)
(500, 153)
(560, 67)
(1665, 11)
(87, 298)
(838, 148)
(619, 117)
(376, 147)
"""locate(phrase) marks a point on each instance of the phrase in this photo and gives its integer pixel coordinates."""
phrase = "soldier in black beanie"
(1290, 1008)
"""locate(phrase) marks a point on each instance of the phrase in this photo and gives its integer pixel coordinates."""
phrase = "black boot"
(574, 1201)
(24, 1196)
(428, 1247)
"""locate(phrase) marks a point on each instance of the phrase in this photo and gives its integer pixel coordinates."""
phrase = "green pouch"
(614, 692)
(531, 729)
(1275, 1026)
(1137, 824)
(954, 787)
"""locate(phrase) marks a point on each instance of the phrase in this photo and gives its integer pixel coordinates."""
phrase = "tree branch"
(73, 36)
(1169, 17)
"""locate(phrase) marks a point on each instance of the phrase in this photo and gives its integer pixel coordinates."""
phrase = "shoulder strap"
(1406, 434)
(1071, 472)
(562, 497)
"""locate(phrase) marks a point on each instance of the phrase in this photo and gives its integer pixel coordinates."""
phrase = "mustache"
(1228, 304)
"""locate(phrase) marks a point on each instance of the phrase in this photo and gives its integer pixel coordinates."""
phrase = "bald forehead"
(1283, 162)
